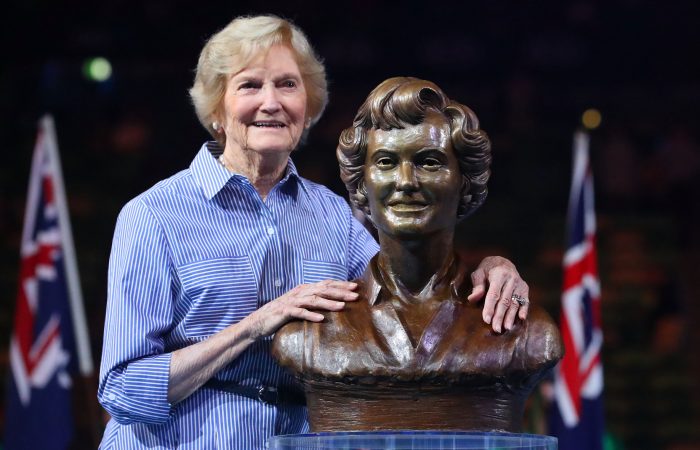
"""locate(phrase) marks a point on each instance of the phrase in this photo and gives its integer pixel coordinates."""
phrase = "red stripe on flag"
(569, 365)
(573, 273)
(47, 186)
(24, 318)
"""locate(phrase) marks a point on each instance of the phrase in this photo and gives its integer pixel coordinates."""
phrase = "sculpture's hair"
(230, 50)
(404, 101)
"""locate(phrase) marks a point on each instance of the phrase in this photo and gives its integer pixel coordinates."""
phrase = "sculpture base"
(415, 440)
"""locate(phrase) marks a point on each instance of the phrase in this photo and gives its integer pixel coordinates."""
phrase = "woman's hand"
(301, 303)
(504, 286)
(193, 365)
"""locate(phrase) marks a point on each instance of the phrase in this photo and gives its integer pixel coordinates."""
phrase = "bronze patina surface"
(411, 353)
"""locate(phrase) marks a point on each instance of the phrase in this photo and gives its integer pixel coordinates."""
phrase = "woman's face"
(264, 106)
(412, 178)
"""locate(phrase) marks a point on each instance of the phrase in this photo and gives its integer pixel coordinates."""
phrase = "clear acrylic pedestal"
(414, 440)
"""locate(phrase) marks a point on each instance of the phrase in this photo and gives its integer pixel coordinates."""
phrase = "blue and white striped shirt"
(195, 253)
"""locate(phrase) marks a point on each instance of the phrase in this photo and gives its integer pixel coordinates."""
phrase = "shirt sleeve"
(361, 248)
(134, 370)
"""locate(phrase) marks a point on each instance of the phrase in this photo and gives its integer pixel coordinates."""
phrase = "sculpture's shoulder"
(323, 349)
(288, 345)
(542, 341)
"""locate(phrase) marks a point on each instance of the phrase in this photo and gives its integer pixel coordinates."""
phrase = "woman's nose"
(407, 180)
(270, 99)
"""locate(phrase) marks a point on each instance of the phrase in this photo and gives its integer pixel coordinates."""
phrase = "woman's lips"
(268, 124)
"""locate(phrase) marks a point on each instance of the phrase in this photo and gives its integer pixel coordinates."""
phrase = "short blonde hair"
(230, 50)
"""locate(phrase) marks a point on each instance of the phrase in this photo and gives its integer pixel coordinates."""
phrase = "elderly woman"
(209, 263)
(416, 163)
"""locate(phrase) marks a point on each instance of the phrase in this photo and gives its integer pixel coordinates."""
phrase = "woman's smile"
(264, 108)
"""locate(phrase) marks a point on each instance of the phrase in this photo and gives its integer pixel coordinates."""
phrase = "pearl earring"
(216, 126)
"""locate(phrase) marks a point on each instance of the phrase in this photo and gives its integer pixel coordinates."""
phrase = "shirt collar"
(212, 176)
(378, 285)
(292, 174)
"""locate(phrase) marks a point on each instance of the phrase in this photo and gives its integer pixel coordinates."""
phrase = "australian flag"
(577, 416)
(49, 342)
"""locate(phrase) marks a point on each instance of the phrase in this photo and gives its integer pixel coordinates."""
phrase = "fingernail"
(487, 318)
(508, 327)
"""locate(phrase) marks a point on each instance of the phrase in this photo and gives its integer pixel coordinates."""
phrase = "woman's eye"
(289, 84)
(248, 85)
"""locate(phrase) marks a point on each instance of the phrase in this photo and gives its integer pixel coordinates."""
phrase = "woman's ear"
(218, 127)
(218, 117)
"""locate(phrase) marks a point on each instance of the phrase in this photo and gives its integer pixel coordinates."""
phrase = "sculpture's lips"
(407, 206)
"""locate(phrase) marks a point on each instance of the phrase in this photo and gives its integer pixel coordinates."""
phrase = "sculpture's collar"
(450, 283)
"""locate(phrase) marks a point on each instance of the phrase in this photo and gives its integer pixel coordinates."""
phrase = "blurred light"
(97, 69)
(591, 118)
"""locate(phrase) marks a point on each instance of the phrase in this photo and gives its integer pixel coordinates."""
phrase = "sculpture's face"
(412, 178)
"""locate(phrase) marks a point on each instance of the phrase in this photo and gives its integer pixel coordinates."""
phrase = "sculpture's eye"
(384, 162)
(431, 163)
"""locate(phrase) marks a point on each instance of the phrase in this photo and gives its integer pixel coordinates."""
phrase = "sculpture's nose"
(406, 177)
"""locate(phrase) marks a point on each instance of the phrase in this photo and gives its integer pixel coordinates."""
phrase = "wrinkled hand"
(328, 295)
(503, 281)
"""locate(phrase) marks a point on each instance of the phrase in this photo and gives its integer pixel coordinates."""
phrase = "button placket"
(273, 286)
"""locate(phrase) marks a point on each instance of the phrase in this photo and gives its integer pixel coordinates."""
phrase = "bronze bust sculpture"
(411, 353)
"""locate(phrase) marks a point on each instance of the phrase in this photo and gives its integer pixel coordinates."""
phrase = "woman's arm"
(194, 365)
(134, 367)
(139, 380)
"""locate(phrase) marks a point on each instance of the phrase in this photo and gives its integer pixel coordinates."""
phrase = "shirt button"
(270, 231)
(278, 283)
(112, 397)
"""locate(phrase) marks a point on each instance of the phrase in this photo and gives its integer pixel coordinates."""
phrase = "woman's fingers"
(511, 313)
(478, 285)
(500, 281)
(332, 291)
(523, 291)
(305, 314)
(316, 302)
(497, 279)
(504, 305)
(301, 303)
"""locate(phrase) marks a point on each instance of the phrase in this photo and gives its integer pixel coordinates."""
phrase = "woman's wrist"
(246, 332)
